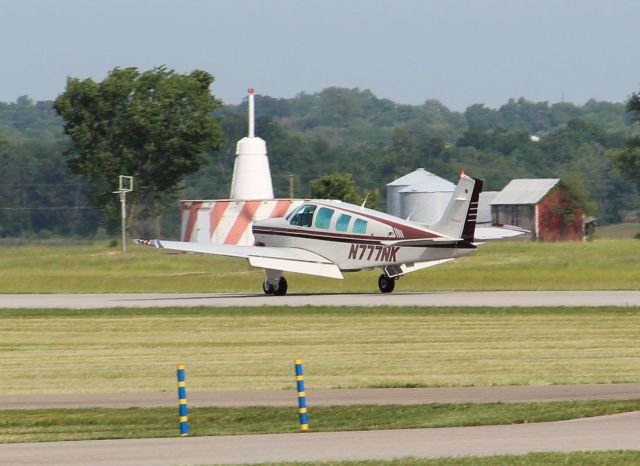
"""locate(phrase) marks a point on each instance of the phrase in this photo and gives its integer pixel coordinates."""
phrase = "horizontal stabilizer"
(494, 233)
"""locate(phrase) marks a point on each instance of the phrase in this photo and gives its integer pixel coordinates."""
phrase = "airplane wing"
(481, 234)
(285, 259)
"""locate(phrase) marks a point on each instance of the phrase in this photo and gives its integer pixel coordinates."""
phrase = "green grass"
(601, 264)
(136, 350)
(599, 458)
(85, 424)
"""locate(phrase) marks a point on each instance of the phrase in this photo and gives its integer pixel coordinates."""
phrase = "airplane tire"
(282, 287)
(386, 284)
(266, 287)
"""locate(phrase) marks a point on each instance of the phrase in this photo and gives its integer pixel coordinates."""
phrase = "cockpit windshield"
(303, 216)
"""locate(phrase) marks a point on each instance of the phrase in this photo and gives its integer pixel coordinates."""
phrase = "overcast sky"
(457, 51)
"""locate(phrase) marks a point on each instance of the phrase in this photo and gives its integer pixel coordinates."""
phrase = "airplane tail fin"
(459, 219)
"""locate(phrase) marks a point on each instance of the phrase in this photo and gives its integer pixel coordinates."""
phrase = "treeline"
(39, 196)
(377, 140)
(337, 130)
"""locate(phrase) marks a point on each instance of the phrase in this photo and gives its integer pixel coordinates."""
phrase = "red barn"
(545, 207)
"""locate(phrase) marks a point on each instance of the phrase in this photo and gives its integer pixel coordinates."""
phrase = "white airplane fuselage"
(353, 237)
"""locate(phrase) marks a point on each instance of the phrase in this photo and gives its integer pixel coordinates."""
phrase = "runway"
(616, 432)
(432, 299)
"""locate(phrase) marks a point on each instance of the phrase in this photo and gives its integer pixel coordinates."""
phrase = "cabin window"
(303, 216)
(343, 222)
(323, 217)
(360, 226)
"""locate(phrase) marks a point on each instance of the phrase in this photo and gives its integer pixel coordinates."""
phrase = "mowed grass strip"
(85, 424)
(596, 458)
(600, 265)
(136, 350)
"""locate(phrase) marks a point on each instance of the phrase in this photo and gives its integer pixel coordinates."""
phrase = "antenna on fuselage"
(365, 201)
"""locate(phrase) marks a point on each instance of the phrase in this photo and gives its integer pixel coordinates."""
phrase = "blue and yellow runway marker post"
(302, 398)
(182, 400)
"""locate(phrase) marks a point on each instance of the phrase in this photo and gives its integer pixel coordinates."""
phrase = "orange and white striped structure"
(228, 221)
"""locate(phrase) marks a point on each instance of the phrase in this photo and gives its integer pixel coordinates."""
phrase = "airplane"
(327, 237)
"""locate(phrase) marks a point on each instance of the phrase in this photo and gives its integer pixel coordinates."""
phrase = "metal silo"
(394, 206)
(425, 201)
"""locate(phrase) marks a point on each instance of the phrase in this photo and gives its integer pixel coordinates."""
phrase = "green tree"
(627, 159)
(341, 186)
(155, 126)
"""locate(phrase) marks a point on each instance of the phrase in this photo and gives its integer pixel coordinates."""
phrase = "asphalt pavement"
(332, 397)
(433, 299)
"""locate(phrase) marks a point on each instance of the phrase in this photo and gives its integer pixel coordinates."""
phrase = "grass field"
(93, 424)
(94, 268)
(121, 350)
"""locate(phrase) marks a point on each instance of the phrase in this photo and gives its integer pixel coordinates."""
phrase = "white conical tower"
(251, 174)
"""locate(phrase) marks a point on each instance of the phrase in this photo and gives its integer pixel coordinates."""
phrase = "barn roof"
(524, 191)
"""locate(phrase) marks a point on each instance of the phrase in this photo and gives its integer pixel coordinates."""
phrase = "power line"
(39, 184)
(47, 208)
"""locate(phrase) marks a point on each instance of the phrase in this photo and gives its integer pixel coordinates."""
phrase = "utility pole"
(125, 185)
(290, 186)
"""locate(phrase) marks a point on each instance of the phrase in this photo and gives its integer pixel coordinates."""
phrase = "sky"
(459, 52)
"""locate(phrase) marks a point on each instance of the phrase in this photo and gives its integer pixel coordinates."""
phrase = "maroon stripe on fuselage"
(322, 235)
(338, 238)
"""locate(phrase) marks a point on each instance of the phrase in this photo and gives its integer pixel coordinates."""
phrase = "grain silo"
(394, 206)
(425, 201)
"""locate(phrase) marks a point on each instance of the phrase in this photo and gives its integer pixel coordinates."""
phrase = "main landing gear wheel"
(386, 284)
(270, 289)
(282, 287)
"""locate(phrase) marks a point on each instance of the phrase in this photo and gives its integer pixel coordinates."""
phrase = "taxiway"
(616, 432)
(433, 299)
(332, 397)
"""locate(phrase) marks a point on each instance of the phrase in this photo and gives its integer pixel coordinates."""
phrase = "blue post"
(182, 400)
(302, 398)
